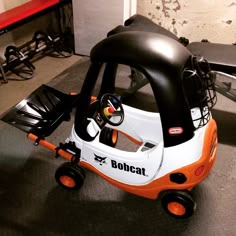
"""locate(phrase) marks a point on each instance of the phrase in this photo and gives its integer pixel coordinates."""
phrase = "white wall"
(214, 20)
(94, 19)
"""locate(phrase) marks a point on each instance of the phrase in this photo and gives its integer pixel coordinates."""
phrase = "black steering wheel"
(111, 109)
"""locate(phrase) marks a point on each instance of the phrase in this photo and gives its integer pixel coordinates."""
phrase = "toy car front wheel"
(70, 176)
(178, 204)
(108, 136)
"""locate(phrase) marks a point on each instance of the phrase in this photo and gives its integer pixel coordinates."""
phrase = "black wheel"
(178, 204)
(108, 136)
(70, 176)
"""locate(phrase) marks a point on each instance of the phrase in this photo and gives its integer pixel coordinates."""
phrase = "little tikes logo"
(175, 130)
(128, 168)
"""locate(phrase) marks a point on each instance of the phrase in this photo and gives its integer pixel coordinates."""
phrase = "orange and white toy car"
(176, 145)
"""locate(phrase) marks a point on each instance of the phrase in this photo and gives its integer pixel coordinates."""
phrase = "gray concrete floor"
(46, 69)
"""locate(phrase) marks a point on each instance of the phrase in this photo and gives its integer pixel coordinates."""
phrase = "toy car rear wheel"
(70, 176)
(178, 204)
(109, 136)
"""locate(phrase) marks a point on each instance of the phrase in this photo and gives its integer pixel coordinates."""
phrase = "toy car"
(176, 145)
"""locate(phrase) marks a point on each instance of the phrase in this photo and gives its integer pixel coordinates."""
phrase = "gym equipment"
(221, 57)
(18, 59)
(176, 146)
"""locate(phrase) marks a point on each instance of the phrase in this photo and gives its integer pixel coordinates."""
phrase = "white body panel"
(144, 165)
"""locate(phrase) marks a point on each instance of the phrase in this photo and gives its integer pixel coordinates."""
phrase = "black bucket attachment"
(42, 111)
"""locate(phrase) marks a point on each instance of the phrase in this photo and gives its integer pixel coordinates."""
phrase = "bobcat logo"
(101, 160)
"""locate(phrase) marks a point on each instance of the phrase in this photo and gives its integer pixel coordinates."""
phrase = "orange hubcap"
(176, 208)
(67, 181)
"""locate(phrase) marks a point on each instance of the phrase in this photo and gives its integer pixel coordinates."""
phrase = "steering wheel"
(111, 109)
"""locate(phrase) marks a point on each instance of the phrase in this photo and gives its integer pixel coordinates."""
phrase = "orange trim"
(73, 93)
(114, 137)
(152, 189)
(50, 146)
(93, 98)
